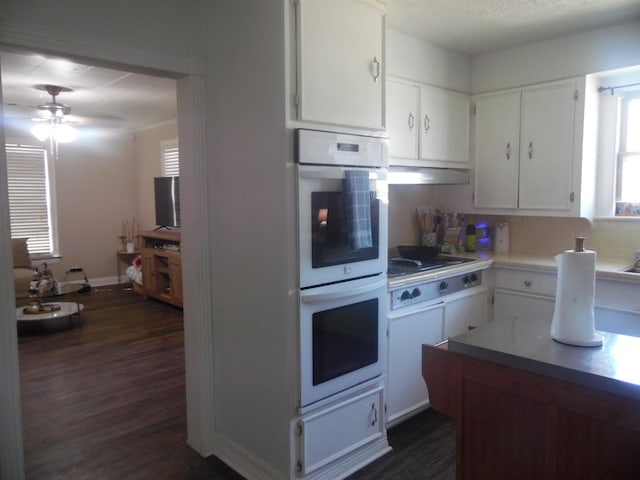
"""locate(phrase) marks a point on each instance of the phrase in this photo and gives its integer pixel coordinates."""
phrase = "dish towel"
(358, 208)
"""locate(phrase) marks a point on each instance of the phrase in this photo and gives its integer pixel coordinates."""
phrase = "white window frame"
(170, 158)
(623, 152)
(42, 245)
(609, 114)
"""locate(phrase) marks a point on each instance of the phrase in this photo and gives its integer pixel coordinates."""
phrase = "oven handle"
(340, 292)
(338, 174)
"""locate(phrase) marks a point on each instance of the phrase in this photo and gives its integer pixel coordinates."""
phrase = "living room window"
(31, 198)
(170, 158)
(628, 158)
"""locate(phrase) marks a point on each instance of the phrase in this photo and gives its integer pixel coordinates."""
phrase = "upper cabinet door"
(341, 63)
(546, 147)
(444, 127)
(402, 119)
(497, 128)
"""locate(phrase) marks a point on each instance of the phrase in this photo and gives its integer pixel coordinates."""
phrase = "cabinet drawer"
(526, 281)
(618, 295)
(335, 431)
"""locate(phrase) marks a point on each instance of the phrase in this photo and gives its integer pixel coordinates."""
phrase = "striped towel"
(358, 208)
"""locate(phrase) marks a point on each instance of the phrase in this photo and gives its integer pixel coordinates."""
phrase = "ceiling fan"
(54, 118)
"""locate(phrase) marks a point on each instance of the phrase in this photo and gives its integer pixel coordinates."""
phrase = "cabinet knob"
(530, 150)
(411, 121)
(508, 150)
(427, 123)
(527, 283)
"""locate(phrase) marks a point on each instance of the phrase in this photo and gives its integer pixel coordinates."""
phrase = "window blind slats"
(29, 197)
(170, 158)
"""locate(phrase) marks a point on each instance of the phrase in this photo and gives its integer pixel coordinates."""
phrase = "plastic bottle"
(470, 241)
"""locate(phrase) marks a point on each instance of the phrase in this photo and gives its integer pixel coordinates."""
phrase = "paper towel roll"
(573, 321)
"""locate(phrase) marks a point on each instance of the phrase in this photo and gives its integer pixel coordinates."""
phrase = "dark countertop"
(614, 367)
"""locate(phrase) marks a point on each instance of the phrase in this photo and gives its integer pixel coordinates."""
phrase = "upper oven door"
(329, 250)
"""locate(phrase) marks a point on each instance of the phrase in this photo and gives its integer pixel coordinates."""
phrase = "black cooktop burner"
(399, 266)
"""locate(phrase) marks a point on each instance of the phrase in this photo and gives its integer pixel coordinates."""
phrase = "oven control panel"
(434, 289)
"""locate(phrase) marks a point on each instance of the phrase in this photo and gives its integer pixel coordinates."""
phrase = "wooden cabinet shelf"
(162, 266)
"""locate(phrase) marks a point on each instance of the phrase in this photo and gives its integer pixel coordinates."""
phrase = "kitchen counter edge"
(606, 268)
(528, 346)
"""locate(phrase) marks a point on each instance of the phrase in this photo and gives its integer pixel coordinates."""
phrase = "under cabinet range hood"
(427, 176)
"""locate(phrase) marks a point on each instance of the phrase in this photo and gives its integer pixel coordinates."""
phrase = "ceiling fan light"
(41, 131)
(64, 133)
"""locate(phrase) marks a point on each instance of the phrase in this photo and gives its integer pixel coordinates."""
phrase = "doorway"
(190, 89)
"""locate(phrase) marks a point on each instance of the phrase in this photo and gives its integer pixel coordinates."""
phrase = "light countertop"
(606, 268)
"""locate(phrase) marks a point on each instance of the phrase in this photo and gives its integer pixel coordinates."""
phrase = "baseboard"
(243, 461)
(103, 281)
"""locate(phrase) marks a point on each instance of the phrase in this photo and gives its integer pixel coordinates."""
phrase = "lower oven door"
(342, 336)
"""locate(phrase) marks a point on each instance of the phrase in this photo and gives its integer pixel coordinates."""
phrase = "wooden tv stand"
(162, 265)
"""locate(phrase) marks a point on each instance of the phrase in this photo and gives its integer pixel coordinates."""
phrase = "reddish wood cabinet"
(512, 423)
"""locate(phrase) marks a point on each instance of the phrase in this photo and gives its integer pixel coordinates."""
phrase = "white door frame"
(198, 329)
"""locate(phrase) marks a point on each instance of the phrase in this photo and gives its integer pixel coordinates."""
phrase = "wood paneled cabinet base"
(162, 266)
(514, 424)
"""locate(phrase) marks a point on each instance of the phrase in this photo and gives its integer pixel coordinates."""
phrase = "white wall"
(569, 56)
(155, 29)
(252, 236)
(414, 59)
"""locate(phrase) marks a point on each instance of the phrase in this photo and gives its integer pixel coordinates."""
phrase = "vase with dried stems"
(128, 235)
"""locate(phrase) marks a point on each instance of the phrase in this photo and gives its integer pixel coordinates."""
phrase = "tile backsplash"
(617, 238)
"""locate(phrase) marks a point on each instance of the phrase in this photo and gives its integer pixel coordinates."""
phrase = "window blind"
(29, 206)
(170, 158)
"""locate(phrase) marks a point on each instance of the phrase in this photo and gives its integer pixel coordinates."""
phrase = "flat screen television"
(167, 195)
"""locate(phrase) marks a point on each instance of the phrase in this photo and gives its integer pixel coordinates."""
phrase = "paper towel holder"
(573, 316)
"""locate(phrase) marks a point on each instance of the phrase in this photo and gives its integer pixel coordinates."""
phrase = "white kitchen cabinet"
(524, 295)
(328, 435)
(528, 150)
(409, 328)
(465, 310)
(617, 306)
(341, 63)
(402, 120)
(518, 306)
(427, 126)
(444, 127)
(497, 147)
(529, 295)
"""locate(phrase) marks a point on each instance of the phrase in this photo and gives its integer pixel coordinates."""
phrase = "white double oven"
(342, 213)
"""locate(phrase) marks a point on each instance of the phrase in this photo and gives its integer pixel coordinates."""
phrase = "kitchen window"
(31, 198)
(628, 159)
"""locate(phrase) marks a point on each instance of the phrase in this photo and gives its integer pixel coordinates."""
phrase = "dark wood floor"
(106, 400)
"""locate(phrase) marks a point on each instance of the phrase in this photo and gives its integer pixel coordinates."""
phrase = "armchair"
(22, 269)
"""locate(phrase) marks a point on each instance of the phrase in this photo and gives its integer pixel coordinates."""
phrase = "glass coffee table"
(43, 312)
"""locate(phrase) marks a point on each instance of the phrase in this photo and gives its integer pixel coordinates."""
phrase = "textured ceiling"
(482, 26)
(103, 97)
(100, 97)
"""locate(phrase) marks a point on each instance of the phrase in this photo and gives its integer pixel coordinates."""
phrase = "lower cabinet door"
(335, 431)
(406, 389)
(468, 310)
(615, 320)
(522, 306)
